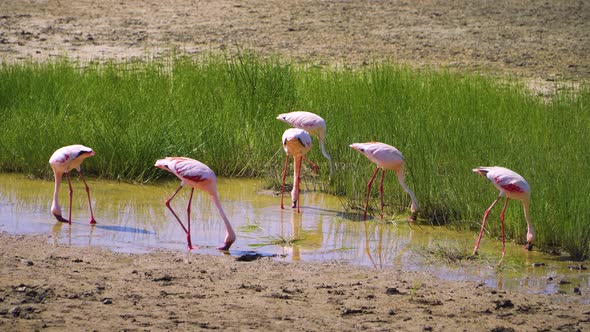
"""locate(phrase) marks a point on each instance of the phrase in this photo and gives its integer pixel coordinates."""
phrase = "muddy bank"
(59, 288)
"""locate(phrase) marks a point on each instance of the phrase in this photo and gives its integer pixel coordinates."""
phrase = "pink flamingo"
(197, 175)
(297, 143)
(310, 122)
(511, 185)
(386, 157)
(63, 160)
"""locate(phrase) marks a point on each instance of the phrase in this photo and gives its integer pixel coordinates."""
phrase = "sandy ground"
(66, 288)
(49, 287)
(544, 40)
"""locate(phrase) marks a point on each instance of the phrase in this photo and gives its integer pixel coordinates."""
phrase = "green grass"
(221, 110)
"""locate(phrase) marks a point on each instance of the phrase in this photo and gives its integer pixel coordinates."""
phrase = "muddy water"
(133, 218)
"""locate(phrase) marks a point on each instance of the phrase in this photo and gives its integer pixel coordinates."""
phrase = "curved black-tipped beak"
(60, 218)
(528, 246)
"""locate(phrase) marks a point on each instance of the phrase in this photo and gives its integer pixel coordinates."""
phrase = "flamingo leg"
(502, 223)
(92, 220)
(483, 224)
(188, 219)
(313, 165)
(381, 191)
(369, 191)
(284, 177)
(174, 213)
(71, 192)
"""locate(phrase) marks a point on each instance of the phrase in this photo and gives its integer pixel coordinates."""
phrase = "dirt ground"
(544, 40)
(43, 286)
(59, 288)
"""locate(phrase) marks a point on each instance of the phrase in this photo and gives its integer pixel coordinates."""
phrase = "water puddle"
(134, 219)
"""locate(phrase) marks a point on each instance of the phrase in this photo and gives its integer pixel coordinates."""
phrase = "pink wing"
(68, 153)
(507, 180)
(186, 168)
(382, 154)
(303, 120)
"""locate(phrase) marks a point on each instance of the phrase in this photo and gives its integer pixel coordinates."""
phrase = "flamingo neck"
(530, 234)
(55, 208)
(400, 178)
(326, 153)
(297, 160)
(230, 232)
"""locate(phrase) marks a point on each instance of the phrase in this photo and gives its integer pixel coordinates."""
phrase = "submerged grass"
(221, 110)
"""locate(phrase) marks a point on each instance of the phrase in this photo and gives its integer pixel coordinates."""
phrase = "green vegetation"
(222, 110)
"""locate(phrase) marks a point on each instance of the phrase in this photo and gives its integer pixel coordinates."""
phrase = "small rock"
(249, 257)
(15, 311)
(166, 277)
(503, 304)
(577, 291)
(27, 262)
(107, 300)
(538, 264)
(578, 267)
(347, 311)
(502, 329)
(393, 291)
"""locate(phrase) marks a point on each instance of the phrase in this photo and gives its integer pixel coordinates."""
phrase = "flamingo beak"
(480, 171)
(528, 246)
(60, 218)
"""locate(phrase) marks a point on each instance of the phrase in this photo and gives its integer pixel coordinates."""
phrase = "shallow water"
(133, 218)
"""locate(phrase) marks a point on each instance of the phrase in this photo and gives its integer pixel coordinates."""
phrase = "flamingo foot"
(60, 218)
(92, 221)
(226, 246)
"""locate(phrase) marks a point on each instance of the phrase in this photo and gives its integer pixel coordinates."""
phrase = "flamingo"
(197, 175)
(310, 122)
(511, 185)
(296, 142)
(386, 157)
(63, 160)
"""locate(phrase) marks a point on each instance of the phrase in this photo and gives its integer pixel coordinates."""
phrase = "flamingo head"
(162, 164)
(481, 171)
(529, 241)
(283, 117)
(83, 154)
(358, 147)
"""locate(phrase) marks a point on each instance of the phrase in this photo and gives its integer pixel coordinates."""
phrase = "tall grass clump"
(221, 110)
